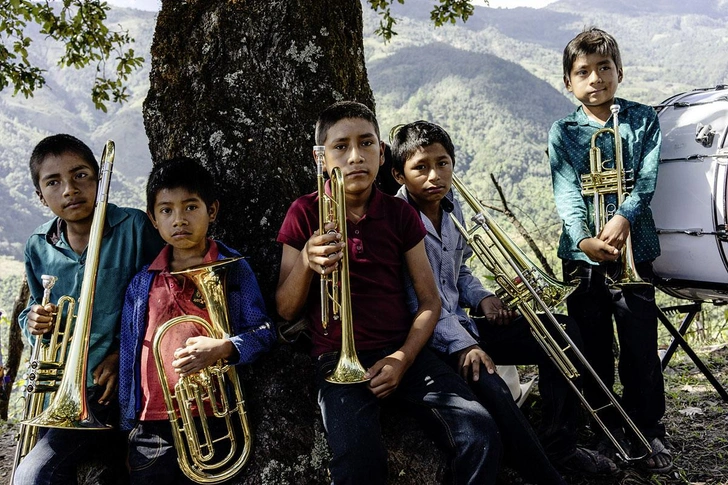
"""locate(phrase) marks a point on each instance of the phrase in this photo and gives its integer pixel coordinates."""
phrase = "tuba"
(602, 181)
(53, 367)
(217, 385)
(335, 289)
(526, 288)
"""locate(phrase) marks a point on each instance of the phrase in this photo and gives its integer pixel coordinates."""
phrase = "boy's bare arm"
(320, 255)
(387, 373)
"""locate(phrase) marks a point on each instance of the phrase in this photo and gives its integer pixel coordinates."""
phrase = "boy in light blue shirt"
(423, 159)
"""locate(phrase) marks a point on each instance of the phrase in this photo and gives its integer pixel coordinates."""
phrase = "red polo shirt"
(169, 297)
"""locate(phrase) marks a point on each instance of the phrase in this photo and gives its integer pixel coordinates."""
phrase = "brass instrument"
(46, 362)
(526, 288)
(69, 407)
(602, 181)
(215, 385)
(335, 289)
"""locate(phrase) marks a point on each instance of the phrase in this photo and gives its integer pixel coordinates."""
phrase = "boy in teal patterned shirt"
(592, 72)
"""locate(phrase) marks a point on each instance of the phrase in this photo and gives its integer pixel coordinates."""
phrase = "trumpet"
(217, 385)
(335, 289)
(602, 181)
(526, 288)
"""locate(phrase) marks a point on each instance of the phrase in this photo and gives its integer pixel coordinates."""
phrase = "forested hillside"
(493, 82)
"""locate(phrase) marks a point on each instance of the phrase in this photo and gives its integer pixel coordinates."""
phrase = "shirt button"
(356, 231)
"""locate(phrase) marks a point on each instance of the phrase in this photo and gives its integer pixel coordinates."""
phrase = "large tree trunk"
(239, 85)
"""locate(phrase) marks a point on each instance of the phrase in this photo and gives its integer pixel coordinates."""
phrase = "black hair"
(407, 139)
(57, 145)
(339, 111)
(180, 172)
(591, 40)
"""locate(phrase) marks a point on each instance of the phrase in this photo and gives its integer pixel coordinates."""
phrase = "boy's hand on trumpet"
(323, 252)
(615, 232)
(41, 318)
(598, 250)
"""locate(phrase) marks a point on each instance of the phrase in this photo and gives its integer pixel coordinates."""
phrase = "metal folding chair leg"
(691, 312)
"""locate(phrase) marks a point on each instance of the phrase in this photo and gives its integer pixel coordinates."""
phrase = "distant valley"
(493, 82)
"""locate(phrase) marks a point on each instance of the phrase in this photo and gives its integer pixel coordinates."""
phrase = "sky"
(153, 5)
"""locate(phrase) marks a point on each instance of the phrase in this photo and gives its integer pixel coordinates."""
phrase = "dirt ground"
(696, 420)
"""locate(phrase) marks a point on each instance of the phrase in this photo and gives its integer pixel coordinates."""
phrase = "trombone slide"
(533, 293)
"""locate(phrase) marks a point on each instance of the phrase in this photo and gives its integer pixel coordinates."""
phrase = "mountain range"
(494, 82)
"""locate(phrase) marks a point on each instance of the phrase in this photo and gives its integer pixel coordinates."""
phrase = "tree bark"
(239, 85)
(15, 348)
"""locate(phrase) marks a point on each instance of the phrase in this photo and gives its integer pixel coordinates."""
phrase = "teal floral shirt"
(569, 143)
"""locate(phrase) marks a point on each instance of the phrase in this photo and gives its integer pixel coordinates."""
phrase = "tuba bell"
(526, 288)
(335, 289)
(602, 181)
(202, 457)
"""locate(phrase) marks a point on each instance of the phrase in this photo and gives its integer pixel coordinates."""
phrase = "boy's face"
(353, 146)
(594, 79)
(427, 174)
(182, 218)
(68, 187)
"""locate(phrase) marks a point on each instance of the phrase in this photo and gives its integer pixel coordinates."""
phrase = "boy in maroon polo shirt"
(385, 239)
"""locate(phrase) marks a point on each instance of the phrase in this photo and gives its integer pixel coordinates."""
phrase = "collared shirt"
(252, 331)
(377, 245)
(459, 289)
(170, 297)
(129, 242)
(569, 143)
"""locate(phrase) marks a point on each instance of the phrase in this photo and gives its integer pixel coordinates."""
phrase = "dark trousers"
(514, 344)
(593, 305)
(58, 452)
(434, 394)
(522, 450)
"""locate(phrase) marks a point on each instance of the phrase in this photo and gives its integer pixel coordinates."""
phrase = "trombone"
(532, 292)
(335, 289)
(602, 181)
(69, 408)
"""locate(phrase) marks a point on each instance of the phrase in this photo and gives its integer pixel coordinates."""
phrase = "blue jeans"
(152, 455)
(522, 450)
(434, 394)
(55, 457)
(593, 305)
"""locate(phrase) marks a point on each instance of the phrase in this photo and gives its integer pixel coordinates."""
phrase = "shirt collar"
(161, 262)
(375, 209)
(581, 118)
(53, 230)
